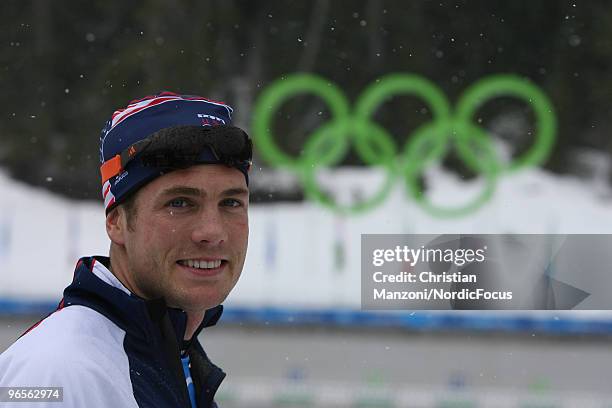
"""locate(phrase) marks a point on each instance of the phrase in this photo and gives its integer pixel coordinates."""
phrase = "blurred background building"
(293, 333)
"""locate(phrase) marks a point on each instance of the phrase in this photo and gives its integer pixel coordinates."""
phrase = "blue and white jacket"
(108, 348)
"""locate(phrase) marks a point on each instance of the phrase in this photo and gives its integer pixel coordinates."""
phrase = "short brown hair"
(131, 210)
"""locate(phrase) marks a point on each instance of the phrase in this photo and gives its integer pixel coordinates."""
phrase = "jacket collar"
(96, 287)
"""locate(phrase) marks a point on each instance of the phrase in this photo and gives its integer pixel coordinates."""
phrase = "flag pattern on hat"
(140, 119)
(138, 105)
(109, 198)
(149, 101)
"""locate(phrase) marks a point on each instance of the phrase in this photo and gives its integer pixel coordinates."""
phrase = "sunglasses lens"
(184, 146)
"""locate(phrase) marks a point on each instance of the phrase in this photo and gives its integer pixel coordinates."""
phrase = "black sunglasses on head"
(182, 146)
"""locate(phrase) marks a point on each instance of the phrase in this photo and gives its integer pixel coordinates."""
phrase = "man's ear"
(116, 225)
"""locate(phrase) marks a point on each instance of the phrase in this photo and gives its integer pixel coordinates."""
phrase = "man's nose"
(209, 228)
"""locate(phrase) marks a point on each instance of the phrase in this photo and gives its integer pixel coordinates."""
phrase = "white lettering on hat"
(210, 120)
(121, 177)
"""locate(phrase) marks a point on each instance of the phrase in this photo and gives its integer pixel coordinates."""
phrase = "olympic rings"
(330, 142)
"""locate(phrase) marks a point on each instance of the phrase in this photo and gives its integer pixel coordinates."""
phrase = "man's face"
(188, 240)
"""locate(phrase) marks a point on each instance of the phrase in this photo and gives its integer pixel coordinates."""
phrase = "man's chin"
(194, 300)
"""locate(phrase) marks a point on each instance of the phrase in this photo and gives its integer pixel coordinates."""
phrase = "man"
(175, 187)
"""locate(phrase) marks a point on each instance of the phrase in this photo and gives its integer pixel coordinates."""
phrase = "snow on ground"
(300, 255)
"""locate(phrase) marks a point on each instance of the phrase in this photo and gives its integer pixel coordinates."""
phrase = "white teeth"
(201, 264)
(213, 264)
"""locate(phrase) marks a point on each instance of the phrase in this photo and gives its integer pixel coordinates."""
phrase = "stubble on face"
(173, 225)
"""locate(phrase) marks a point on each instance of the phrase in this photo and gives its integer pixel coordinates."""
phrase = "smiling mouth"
(201, 264)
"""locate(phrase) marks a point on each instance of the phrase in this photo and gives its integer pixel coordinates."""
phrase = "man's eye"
(178, 203)
(232, 202)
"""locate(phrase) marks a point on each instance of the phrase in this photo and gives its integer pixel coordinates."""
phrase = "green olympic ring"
(330, 142)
